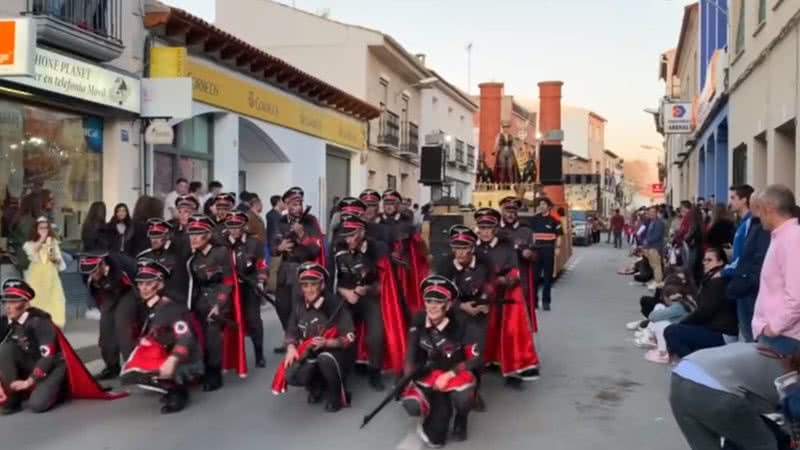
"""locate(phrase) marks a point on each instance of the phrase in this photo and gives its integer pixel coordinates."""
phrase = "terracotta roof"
(688, 11)
(179, 26)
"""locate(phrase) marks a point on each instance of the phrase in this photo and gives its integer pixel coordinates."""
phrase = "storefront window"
(190, 157)
(55, 156)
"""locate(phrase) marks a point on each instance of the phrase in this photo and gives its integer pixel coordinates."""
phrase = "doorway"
(337, 175)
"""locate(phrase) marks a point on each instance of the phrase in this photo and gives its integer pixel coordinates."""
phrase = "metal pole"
(469, 68)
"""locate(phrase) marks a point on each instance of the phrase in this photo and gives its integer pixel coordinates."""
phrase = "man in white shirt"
(181, 188)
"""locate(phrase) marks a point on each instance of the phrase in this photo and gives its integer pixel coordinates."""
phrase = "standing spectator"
(214, 189)
(181, 188)
(146, 208)
(690, 238)
(417, 215)
(196, 189)
(739, 203)
(46, 261)
(120, 229)
(745, 269)
(30, 208)
(94, 233)
(777, 310)
(616, 225)
(274, 216)
(653, 245)
(720, 233)
(255, 224)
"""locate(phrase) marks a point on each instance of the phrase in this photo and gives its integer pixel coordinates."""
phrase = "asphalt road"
(596, 391)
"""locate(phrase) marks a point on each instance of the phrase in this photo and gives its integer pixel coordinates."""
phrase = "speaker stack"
(439, 238)
(550, 164)
(431, 165)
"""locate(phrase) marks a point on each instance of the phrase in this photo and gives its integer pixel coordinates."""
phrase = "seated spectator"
(677, 304)
(715, 317)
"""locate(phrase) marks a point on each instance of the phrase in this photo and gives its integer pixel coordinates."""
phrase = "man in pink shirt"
(777, 310)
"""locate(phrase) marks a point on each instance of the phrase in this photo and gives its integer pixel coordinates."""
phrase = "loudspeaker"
(431, 166)
(440, 238)
(550, 164)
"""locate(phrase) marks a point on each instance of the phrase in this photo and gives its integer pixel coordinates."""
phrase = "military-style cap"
(311, 272)
(199, 224)
(487, 217)
(150, 270)
(187, 201)
(462, 236)
(157, 227)
(370, 197)
(90, 260)
(352, 205)
(512, 203)
(391, 196)
(437, 288)
(351, 223)
(16, 290)
(224, 199)
(293, 194)
(236, 219)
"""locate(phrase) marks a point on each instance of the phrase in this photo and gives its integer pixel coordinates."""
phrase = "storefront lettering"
(347, 135)
(259, 104)
(206, 87)
(311, 122)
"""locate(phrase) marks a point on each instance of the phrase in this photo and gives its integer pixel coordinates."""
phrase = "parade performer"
(443, 357)
(509, 335)
(473, 278)
(372, 200)
(172, 256)
(521, 236)
(168, 354)
(547, 232)
(352, 205)
(214, 299)
(363, 278)
(186, 206)
(408, 253)
(223, 204)
(297, 240)
(251, 275)
(110, 283)
(36, 361)
(319, 343)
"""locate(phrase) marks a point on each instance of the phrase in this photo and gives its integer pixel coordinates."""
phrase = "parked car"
(581, 233)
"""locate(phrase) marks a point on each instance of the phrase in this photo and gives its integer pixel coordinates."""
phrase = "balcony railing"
(389, 130)
(92, 28)
(411, 144)
(470, 156)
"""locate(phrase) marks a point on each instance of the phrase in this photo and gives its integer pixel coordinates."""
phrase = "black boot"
(279, 350)
(175, 401)
(109, 373)
(376, 380)
(212, 380)
(260, 361)
(547, 306)
(479, 405)
(514, 383)
(460, 428)
(13, 404)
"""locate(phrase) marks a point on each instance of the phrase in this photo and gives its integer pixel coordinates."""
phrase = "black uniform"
(180, 238)
(474, 285)
(119, 311)
(172, 256)
(520, 235)
(211, 285)
(440, 349)
(546, 231)
(322, 371)
(286, 290)
(251, 269)
(169, 323)
(30, 349)
(499, 254)
(352, 269)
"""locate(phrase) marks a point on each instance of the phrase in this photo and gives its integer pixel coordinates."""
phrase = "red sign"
(657, 188)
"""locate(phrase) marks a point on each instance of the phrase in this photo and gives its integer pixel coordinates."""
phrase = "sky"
(605, 51)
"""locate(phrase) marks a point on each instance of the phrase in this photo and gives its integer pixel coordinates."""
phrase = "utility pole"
(469, 68)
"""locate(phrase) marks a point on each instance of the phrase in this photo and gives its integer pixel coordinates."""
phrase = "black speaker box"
(431, 166)
(440, 237)
(550, 164)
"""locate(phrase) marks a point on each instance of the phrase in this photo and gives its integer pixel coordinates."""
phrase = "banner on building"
(677, 117)
(658, 188)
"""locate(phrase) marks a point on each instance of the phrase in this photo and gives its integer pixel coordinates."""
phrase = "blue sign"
(124, 135)
(93, 132)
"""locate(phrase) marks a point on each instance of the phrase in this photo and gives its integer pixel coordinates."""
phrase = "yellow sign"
(168, 62)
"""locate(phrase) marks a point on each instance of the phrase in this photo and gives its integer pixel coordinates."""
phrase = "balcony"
(470, 156)
(90, 28)
(460, 156)
(389, 130)
(410, 146)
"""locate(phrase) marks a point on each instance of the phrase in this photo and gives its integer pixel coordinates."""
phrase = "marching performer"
(168, 355)
(363, 279)
(187, 206)
(251, 274)
(223, 204)
(36, 361)
(521, 236)
(372, 200)
(443, 359)
(319, 343)
(298, 240)
(172, 256)
(509, 335)
(110, 283)
(213, 300)
(547, 234)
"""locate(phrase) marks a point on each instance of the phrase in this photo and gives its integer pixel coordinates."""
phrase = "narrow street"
(596, 391)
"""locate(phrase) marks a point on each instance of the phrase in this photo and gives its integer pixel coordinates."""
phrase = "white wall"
(575, 123)
(121, 169)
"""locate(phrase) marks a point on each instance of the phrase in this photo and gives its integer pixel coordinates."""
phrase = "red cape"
(394, 324)
(81, 384)
(526, 270)
(233, 349)
(509, 335)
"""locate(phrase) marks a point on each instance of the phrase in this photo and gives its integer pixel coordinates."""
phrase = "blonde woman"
(42, 274)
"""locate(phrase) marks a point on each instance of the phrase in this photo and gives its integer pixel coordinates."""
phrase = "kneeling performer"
(168, 355)
(443, 359)
(319, 342)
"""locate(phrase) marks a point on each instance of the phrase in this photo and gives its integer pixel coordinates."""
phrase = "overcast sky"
(605, 51)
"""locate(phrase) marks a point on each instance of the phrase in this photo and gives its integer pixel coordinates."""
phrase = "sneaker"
(92, 314)
(644, 342)
(651, 286)
(633, 325)
(657, 356)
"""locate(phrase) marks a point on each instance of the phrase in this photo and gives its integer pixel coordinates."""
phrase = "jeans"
(683, 340)
(745, 308)
(544, 270)
(617, 239)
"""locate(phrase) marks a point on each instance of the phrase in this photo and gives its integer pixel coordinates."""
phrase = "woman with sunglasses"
(714, 321)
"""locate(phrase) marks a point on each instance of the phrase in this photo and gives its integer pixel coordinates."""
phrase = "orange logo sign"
(7, 40)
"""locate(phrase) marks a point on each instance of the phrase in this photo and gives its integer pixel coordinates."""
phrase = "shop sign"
(159, 133)
(657, 188)
(17, 47)
(167, 98)
(68, 76)
(677, 117)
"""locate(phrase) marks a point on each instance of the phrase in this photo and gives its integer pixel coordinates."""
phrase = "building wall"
(597, 143)
(575, 123)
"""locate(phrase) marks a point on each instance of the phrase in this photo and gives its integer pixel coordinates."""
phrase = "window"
(384, 91)
(762, 11)
(740, 164)
(740, 28)
(189, 157)
(391, 182)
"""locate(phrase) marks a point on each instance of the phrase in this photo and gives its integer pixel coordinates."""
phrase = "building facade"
(763, 90)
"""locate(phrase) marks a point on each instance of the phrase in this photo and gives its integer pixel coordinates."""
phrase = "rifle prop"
(395, 393)
(258, 291)
(292, 236)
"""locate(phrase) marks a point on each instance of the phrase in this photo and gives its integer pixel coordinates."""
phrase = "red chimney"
(491, 104)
